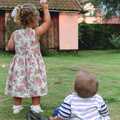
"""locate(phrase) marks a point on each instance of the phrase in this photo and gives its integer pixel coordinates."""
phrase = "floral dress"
(27, 73)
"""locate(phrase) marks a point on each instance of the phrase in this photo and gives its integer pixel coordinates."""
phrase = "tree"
(108, 7)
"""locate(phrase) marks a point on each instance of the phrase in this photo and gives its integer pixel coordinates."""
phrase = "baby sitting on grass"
(84, 103)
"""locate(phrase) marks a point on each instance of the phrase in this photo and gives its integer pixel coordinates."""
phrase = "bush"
(115, 40)
(96, 36)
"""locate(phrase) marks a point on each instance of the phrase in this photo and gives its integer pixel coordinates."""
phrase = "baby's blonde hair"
(25, 14)
(86, 84)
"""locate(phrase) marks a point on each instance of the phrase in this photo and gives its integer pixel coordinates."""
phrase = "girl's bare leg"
(17, 101)
(36, 100)
(36, 104)
(17, 107)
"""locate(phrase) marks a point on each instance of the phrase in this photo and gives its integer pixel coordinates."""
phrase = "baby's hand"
(54, 118)
(43, 1)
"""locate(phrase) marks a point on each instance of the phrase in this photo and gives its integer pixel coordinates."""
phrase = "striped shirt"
(77, 108)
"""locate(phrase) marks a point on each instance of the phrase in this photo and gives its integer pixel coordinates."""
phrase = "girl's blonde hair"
(24, 14)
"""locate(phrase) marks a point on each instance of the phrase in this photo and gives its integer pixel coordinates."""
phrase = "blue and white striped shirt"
(77, 108)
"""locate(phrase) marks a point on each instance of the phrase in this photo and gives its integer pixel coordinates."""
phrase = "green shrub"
(96, 36)
(115, 40)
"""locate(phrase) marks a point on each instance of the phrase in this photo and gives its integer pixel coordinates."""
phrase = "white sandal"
(36, 108)
(17, 109)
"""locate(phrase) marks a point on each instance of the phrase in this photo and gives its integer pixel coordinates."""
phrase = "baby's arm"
(63, 111)
(47, 19)
(103, 110)
(10, 45)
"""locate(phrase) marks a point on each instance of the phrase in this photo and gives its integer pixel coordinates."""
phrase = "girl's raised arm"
(46, 22)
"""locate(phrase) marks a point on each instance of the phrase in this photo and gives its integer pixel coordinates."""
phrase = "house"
(63, 33)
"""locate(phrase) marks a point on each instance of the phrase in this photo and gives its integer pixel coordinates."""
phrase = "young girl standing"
(27, 73)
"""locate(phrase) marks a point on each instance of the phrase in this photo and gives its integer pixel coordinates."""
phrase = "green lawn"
(61, 70)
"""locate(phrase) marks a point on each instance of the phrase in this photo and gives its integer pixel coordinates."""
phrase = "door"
(68, 31)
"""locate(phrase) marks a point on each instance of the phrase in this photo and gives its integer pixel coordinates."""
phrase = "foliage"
(115, 40)
(96, 36)
(44, 50)
(110, 7)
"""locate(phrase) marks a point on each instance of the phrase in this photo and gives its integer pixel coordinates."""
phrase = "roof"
(59, 5)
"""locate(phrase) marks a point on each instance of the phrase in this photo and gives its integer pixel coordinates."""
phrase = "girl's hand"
(40, 30)
(43, 1)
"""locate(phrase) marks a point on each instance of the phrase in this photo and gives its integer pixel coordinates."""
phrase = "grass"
(61, 70)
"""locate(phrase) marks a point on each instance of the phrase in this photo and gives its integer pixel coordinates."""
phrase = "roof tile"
(69, 5)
